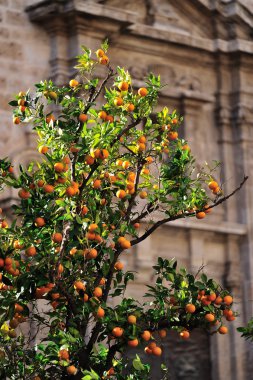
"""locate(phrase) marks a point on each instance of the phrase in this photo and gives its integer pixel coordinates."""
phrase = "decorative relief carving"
(189, 82)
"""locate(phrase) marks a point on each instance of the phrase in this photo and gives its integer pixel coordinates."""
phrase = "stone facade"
(204, 53)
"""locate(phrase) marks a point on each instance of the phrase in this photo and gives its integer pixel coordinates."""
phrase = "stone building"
(203, 50)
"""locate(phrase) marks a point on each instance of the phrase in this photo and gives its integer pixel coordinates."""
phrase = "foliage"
(109, 175)
(247, 331)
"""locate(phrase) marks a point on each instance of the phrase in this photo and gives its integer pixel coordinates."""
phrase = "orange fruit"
(186, 147)
(133, 343)
(92, 254)
(131, 176)
(142, 139)
(146, 335)
(73, 83)
(59, 167)
(39, 222)
(85, 210)
(211, 297)
(118, 102)
(223, 330)
(85, 297)
(104, 154)
(228, 300)
(79, 285)
(157, 351)
(16, 120)
(109, 118)
(185, 334)
(147, 351)
(141, 147)
(125, 164)
(124, 243)
(40, 183)
(152, 345)
(123, 86)
(213, 185)
(30, 251)
(131, 319)
(50, 118)
(57, 237)
(173, 135)
(97, 184)
(18, 308)
(89, 160)
(130, 107)
(190, 308)
(43, 149)
(71, 191)
(63, 354)
(100, 53)
(142, 91)
(121, 194)
(98, 292)
(218, 300)
(83, 117)
(162, 333)
(71, 370)
(217, 190)
(209, 317)
(24, 194)
(136, 225)
(60, 269)
(200, 215)
(143, 194)
(102, 115)
(100, 312)
(93, 227)
(48, 188)
(117, 332)
(118, 265)
(104, 60)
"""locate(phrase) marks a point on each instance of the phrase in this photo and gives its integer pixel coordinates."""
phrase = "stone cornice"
(50, 10)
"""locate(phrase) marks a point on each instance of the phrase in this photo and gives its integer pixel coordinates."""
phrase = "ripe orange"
(97, 184)
(102, 115)
(100, 53)
(228, 300)
(142, 139)
(92, 254)
(147, 351)
(125, 164)
(39, 222)
(63, 354)
(71, 191)
(223, 330)
(211, 297)
(146, 335)
(213, 185)
(50, 118)
(217, 190)
(24, 194)
(85, 297)
(72, 370)
(121, 194)
(85, 210)
(48, 188)
(100, 312)
(93, 227)
(89, 160)
(186, 147)
(57, 237)
(1, 264)
(131, 176)
(118, 265)
(173, 135)
(104, 60)
(117, 332)
(133, 343)
(83, 117)
(152, 345)
(59, 167)
(109, 118)
(185, 334)
(143, 194)
(73, 83)
(218, 300)
(131, 319)
(157, 351)
(141, 147)
(142, 91)
(79, 285)
(60, 269)
(136, 225)
(130, 107)
(149, 160)
(16, 120)
(98, 292)
(104, 154)
(190, 308)
(124, 243)
(30, 251)
(123, 86)
(118, 102)
(200, 215)
(209, 317)
(43, 149)
(162, 333)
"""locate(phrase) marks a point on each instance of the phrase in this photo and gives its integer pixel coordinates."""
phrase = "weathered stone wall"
(204, 53)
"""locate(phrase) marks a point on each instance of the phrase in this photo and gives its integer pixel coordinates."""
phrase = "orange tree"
(109, 176)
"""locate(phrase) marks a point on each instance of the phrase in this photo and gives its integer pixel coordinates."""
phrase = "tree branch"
(184, 215)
